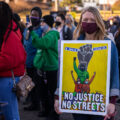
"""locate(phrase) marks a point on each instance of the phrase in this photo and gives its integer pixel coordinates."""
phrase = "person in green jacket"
(47, 60)
(82, 74)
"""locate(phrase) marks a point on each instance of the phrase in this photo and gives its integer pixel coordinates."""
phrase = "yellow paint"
(98, 64)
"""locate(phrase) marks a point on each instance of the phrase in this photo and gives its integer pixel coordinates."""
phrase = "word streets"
(83, 101)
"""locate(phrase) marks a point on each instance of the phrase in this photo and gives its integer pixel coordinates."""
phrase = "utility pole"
(108, 3)
(56, 5)
(104, 8)
(7, 1)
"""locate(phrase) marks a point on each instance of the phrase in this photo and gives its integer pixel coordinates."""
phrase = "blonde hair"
(100, 34)
(71, 18)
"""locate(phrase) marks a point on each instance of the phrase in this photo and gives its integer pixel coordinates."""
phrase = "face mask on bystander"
(35, 21)
(89, 27)
(45, 28)
(57, 23)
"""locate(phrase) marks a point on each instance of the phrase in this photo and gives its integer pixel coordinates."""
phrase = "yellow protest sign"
(84, 76)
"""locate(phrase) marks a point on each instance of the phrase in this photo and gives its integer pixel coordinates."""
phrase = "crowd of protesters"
(34, 49)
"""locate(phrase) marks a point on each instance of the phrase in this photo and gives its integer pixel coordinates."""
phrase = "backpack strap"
(65, 28)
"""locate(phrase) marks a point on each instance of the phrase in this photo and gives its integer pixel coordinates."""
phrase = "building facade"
(7, 1)
(87, 3)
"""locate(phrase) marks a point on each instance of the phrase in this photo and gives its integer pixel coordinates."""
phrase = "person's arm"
(9, 52)
(87, 75)
(114, 73)
(73, 77)
(114, 82)
(92, 78)
(44, 42)
(6, 61)
(75, 66)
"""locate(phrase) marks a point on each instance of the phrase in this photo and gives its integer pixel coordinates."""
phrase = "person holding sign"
(47, 61)
(91, 27)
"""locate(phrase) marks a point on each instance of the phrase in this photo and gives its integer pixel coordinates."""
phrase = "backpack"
(67, 33)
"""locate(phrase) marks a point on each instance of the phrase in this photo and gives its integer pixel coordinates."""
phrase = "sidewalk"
(32, 115)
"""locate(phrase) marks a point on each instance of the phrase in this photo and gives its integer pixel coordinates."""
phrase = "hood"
(14, 29)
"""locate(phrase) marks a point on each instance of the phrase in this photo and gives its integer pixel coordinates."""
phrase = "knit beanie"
(49, 20)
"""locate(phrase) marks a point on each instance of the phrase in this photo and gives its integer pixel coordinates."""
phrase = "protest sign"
(84, 76)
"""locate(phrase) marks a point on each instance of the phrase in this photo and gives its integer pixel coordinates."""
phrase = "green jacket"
(47, 54)
(81, 75)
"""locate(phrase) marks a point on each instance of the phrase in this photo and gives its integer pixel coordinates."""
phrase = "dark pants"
(51, 85)
(87, 117)
(36, 91)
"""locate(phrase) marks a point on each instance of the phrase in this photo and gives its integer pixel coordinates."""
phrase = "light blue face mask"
(86, 82)
(45, 28)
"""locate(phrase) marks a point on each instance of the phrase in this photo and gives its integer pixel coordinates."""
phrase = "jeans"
(10, 111)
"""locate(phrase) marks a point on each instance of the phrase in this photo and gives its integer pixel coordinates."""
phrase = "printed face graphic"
(82, 67)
